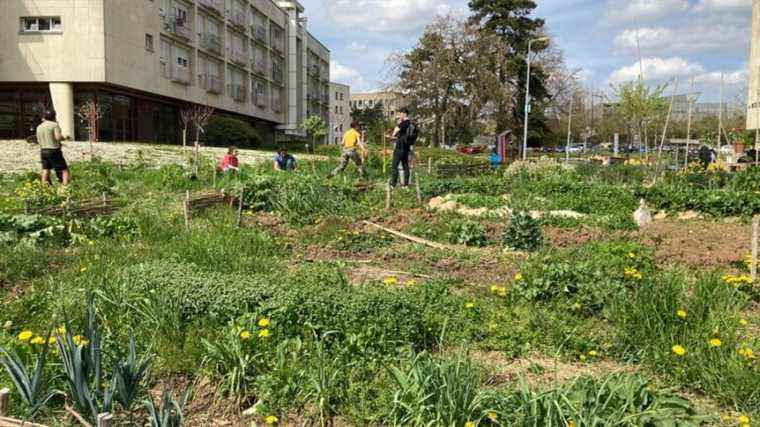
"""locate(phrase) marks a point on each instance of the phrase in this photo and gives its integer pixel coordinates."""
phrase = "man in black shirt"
(401, 149)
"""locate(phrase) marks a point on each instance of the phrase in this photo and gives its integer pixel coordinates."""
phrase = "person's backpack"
(412, 134)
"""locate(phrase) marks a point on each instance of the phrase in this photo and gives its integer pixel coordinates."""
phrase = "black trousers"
(400, 155)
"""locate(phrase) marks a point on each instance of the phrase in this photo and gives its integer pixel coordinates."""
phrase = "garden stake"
(430, 165)
(105, 420)
(5, 395)
(387, 197)
(105, 199)
(240, 208)
(213, 180)
(187, 210)
(419, 192)
(753, 261)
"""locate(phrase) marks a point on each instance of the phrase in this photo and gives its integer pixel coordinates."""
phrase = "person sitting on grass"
(352, 143)
(284, 161)
(230, 161)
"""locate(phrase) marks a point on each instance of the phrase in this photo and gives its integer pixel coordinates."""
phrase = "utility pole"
(720, 115)
(688, 125)
(569, 129)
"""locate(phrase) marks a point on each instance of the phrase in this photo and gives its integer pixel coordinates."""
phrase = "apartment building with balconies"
(144, 60)
(340, 111)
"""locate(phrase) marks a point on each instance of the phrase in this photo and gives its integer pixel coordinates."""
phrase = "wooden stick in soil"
(5, 395)
(410, 237)
(665, 132)
(419, 191)
(387, 197)
(240, 208)
(186, 209)
(430, 165)
(105, 420)
(755, 232)
(104, 198)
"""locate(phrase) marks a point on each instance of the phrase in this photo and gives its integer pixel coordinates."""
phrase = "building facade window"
(47, 24)
(149, 42)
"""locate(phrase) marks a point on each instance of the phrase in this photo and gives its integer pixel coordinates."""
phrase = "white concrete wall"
(76, 54)
(753, 98)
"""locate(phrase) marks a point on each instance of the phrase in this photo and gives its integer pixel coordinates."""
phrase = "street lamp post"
(527, 98)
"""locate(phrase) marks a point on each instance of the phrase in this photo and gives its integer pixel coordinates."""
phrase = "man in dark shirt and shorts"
(49, 137)
(401, 149)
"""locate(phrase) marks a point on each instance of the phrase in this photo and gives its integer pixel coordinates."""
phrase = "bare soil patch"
(693, 243)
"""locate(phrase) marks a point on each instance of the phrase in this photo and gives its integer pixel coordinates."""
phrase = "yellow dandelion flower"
(747, 353)
(518, 277)
(38, 340)
(493, 325)
(390, 281)
(631, 255)
(61, 330)
(25, 336)
(582, 357)
(263, 333)
(633, 273)
(743, 322)
(271, 420)
(570, 423)
(80, 341)
(469, 305)
(245, 335)
(83, 269)
(681, 313)
(743, 421)
(715, 342)
(593, 353)
(263, 323)
(469, 424)
(492, 416)
(52, 340)
(410, 282)
(678, 350)
(494, 288)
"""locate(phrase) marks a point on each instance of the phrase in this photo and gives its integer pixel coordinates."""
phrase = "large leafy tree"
(512, 22)
(639, 105)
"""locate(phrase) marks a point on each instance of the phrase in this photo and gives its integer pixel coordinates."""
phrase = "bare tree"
(90, 113)
(201, 114)
(186, 115)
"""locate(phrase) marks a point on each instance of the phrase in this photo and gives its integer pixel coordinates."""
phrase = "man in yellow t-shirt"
(352, 142)
(49, 137)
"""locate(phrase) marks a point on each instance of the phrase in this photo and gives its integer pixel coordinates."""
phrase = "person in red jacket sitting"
(229, 161)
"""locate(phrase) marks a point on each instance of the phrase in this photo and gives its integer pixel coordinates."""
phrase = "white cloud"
(695, 36)
(713, 78)
(403, 17)
(619, 11)
(657, 69)
(342, 74)
(722, 5)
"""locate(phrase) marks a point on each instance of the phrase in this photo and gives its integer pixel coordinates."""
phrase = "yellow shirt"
(351, 139)
(46, 135)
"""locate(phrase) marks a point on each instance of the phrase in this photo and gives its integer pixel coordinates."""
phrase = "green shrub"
(523, 232)
(468, 232)
(225, 132)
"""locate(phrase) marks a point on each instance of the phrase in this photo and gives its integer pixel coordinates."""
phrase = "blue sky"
(678, 38)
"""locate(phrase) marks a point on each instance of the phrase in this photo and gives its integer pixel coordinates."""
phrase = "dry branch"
(414, 239)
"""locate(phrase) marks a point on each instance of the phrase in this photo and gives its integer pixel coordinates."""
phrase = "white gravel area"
(19, 156)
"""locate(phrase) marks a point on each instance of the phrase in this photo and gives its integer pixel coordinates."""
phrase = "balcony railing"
(277, 104)
(212, 5)
(239, 56)
(259, 66)
(212, 84)
(314, 70)
(237, 92)
(259, 33)
(180, 74)
(238, 18)
(277, 45)
(179, 28)
(211, 42)
(259, 98)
